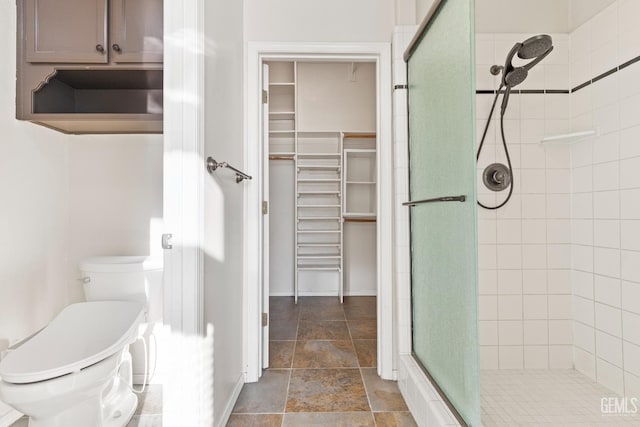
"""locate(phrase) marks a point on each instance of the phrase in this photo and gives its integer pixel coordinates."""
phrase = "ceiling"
(535, 16)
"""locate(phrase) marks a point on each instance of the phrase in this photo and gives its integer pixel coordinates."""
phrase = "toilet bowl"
(77, 371)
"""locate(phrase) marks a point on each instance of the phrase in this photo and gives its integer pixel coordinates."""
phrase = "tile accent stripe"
(567, 91)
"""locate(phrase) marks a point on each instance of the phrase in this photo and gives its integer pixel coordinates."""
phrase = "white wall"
(326, 21)
(223, 197)
(606, 200)
(33, 218)
(524, 252)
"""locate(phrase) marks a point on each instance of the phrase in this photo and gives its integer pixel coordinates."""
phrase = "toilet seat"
(81, 335)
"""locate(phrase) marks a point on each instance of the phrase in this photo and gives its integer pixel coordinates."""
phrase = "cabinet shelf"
(319, 245)
(282, 84)
(320, 155)
(318, 256)
(360, 182)
(319, 167)
(318, 218)
(316, 180)
(309, 193)
(319, 267)
(318, 206)
(318, 231)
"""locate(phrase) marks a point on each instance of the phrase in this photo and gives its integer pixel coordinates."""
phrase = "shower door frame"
(257, 54)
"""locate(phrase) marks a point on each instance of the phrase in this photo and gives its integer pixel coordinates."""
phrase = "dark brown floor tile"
(282, 330)
(325, 354)
(314, 312)
(283, 308)
(267, 396)
(337, 419)
(255, 420)
(319, 301)
(394, 419)
(322, 330)
(363, 329)
(281, 354)
(326, 390)
(360, 312)
(367, 352)
(383, 395)
(360, 302)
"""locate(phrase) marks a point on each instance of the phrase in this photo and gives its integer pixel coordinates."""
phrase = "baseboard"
(10, 417)
(423, 400)
(224, 419)
(325, 294)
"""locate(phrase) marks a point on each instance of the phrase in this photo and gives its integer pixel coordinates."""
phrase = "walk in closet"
(322, 178)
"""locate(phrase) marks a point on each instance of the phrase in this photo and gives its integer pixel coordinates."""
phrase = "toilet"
(77, 371)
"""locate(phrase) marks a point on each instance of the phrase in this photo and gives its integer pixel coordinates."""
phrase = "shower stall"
(524, 200)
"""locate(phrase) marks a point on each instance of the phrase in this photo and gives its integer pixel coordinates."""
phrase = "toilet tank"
(121, 278)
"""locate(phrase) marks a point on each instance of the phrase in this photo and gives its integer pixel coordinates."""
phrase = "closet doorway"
(319, 135)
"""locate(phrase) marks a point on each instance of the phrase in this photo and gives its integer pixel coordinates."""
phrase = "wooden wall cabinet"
(90, 66)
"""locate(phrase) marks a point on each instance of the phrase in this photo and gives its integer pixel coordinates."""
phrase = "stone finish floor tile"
(282, 330)
(255, 420)
(394, 419)
(363, 329)
(384, 395)
(367, 352)
(315, 312)
(325, 354)
(322, 330)
(326, 390)
(267, 396)
(337, 419)
(281, 354)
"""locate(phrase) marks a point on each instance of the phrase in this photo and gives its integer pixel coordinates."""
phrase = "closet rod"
(281, 158)
(360, 135)
(359, 220)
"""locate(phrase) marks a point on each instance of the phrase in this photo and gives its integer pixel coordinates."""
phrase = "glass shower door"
(441, 98)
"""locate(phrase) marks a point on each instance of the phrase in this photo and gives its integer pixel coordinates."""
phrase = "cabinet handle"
(116, 47)
(100, 48)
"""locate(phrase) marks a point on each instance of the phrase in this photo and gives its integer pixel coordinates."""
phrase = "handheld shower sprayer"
(497, 176)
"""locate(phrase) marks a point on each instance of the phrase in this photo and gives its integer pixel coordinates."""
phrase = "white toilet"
(76, 372)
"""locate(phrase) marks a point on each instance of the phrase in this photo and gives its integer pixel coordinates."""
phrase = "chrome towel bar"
(437, 199)
(212, 165)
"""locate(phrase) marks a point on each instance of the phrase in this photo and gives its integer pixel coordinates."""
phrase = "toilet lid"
(81, 335)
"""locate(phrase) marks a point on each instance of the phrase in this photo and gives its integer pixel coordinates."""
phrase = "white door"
(265, 216)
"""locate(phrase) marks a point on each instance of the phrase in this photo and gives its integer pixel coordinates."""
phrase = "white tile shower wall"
(605, 201)
(524, 252)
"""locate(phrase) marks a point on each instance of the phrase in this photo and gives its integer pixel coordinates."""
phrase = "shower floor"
(545, 397)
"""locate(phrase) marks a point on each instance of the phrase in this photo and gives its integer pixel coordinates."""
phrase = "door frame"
(257, 53)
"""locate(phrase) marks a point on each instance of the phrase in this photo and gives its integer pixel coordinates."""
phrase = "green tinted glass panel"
(441, 93)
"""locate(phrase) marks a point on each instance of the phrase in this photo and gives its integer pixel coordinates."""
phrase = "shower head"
(535, 46)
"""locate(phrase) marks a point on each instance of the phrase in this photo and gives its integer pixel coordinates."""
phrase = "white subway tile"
(558, 231)
(558, 256)
(631, 385)
(487, 258)
(584, 337)
(582, 205)
(583, 310)
(534, 256)
(605, 176)
(609, 348)
(487, 282)
(509, 257)
(582, 257)
(630, 141)
(607, 262)
(556, 106)
(559, 281)
(608, 119)
(487, 231)
(488, 332)
(610, 376)
(534, 231)
(585, 362)
(561, 332)
(558, 205)
(630, 204)
(532, 131)
(631, 327)
(582, 179)
(604, 58)
(608, 319)
(556, 76)
(629, 108)
(488, 307)
(534, 281)
(536, 332)
(631, 297)
(488, 357)
(559, 306)
(630, 268)
(509, 307)
(561, 357)
(607, 290)
(509, 231)
(532, 156)
(606, 148)
(632, 358)
(536, 357)
(510, 332)
(582, 231)
(630, 234)
(582, 284)
(511, 357)
(509, 282)
(606, 205)
(535, 307)
(605, 91)
(533, 206)
(630, 173)
(557, 157)
(607, 233)
(532, 107)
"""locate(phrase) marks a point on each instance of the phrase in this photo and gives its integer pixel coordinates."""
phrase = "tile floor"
(323, 369)
(148, 413)
(545, 398)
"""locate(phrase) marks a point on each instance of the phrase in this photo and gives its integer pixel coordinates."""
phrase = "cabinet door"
(136, 30)
(65, 31)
